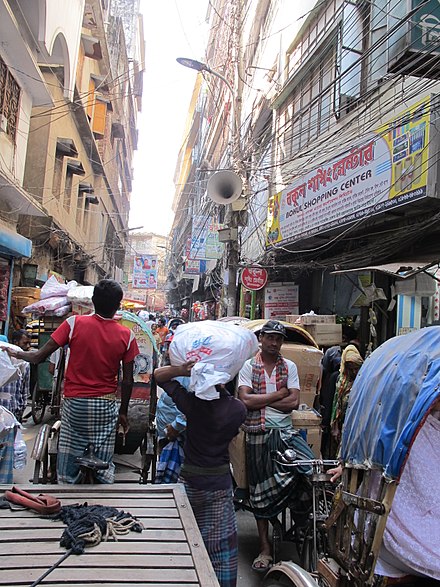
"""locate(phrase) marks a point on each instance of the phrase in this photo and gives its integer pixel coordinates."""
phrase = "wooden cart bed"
(169, 551)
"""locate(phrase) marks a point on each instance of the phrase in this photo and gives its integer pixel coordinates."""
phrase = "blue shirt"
(168, 413)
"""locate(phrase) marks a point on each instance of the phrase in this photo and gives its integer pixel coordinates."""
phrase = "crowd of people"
(193, 434)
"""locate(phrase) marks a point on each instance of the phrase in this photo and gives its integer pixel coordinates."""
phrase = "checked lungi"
(215, 516)
(273, 487)
(84, 421)
(7, 439)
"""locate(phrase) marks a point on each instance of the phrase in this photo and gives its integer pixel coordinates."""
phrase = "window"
(308, 111)
(68, 189)
(9, 101)
(57, 175)
(96, 109)
(377, 66)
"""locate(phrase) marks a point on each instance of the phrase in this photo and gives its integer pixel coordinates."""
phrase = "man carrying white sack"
(211, 353)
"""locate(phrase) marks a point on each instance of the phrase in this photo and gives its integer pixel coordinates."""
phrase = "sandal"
(262, 563)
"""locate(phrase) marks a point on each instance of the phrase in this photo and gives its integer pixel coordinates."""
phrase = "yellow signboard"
(388, 168)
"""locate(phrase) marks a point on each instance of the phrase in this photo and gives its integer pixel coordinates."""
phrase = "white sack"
(81, 295)
(8, 371)
(48, 305)
(53, 288)
(220, 350)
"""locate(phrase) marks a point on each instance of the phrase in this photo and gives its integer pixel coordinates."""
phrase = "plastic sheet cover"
(393, 392)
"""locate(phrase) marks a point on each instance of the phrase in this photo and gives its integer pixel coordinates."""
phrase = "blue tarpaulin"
(13, 244)
(391, 395)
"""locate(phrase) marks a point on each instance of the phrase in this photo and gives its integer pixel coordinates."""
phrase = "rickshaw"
(141, 412)
(392, 399)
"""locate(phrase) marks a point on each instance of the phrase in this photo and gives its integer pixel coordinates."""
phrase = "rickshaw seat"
(90, 460)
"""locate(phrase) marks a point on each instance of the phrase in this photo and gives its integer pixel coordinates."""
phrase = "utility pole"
(231, 219)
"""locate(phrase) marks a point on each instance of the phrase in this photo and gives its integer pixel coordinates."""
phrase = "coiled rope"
(88, 525)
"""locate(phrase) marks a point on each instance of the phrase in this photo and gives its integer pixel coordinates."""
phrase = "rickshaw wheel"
(38, 404)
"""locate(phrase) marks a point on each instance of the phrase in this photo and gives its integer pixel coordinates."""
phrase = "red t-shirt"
(97, 347)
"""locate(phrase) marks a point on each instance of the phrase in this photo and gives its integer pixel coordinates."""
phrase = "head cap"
(274, 327)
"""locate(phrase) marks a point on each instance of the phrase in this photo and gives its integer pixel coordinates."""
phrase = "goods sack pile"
(53, 300)
(219, 349)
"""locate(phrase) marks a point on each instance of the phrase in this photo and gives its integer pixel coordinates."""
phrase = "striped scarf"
(256, 419)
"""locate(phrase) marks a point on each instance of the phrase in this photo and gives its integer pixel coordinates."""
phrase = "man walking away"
(98, 344)
(269, 388)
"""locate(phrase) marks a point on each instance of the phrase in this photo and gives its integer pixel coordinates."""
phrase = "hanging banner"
(389, 169)
(145, 272)
(204, 238)
(280, 299)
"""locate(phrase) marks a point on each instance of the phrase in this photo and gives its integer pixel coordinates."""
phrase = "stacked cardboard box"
(325, 334)
(308, 362)
(309, 421)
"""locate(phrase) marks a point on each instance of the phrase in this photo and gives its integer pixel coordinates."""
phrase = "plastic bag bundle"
(219, 349)
(53, 288)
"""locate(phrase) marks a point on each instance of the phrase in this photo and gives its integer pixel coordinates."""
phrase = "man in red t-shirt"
(98, 344)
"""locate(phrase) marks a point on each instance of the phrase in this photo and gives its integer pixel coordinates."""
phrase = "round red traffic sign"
(254, 278)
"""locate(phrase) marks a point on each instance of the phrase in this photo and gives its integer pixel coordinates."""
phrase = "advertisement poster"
(388, 169)
(280, 299)
(145, 272)
(143, 363)
(204, 239)
(191, 266)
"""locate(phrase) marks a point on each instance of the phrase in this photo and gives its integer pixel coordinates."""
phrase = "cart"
(169, 551)
(44, 390)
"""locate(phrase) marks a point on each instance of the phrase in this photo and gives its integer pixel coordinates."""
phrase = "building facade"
(69, 97)
(337, 114)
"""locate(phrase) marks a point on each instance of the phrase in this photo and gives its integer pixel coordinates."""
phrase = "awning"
(66, 147)
(75, 166)
(86, 187)
(13, 244)
(399, 269)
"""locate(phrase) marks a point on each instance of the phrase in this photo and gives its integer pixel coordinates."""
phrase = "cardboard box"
(292, 318)
(325, 334)
(306, 420)
(308, 361)
(307, 398)
(318, 319)
(314, 441)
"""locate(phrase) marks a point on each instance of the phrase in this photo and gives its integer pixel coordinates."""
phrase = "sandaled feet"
(262, 563)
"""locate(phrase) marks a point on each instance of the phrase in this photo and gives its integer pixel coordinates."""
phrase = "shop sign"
(280, 299)
(389, 168)
(254, 278)
(204, 239)
(145, 271)
(132, 295)
(425, 26)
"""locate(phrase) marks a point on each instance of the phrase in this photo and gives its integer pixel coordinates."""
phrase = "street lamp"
(238, 163)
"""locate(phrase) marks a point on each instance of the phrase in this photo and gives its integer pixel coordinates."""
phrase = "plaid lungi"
(215, 515)
(273, 487)
(170, 462)
(7, 455)
(85, 420)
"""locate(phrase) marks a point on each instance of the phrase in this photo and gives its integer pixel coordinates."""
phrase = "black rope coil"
(88, 525)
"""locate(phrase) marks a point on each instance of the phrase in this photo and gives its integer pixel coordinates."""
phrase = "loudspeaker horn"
(224, 187)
